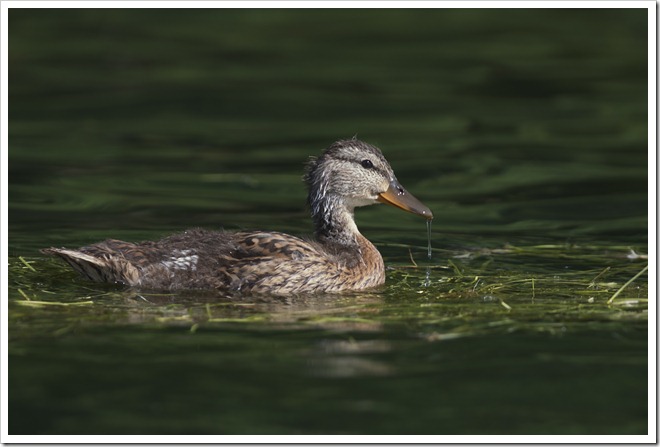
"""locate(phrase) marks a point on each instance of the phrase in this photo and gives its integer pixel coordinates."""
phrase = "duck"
(348, 174)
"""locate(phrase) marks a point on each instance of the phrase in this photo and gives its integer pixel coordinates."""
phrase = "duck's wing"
(273, 245)
(126, 262)
(192, 259)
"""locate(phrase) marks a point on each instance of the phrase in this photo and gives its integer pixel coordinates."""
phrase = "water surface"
(523, 130)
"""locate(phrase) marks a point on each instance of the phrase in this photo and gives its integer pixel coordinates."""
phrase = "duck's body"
(248, 262)
(349, 173)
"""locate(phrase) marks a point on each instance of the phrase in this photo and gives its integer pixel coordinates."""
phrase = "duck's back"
(254, 262)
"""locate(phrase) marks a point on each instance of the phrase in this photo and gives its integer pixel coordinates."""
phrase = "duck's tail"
(106, 268)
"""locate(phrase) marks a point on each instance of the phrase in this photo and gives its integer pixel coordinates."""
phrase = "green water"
(525, 131)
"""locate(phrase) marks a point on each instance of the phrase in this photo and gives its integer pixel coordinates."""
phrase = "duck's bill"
(396, 195)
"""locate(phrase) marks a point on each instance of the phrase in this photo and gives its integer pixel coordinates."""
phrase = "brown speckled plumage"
(348, 174)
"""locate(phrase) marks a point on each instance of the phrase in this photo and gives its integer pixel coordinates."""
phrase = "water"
(523, 130)
(429, 252)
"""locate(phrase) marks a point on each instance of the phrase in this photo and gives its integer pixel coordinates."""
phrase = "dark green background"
(524, 130)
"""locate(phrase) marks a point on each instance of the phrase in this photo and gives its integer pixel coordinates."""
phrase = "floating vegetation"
(630, 281)
(455, 294)
(25, 263)
(35, 303)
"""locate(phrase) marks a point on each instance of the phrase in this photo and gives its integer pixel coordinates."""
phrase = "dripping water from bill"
(427, 280)
(428, 237)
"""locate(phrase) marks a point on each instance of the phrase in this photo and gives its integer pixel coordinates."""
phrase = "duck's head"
(354, 173)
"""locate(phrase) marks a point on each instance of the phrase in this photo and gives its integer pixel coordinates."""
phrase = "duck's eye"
(367, 164)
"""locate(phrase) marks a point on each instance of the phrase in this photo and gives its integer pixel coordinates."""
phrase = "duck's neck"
(334, 222)
(336, 230)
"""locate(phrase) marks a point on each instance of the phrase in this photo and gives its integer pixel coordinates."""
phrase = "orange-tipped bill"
(396, 195)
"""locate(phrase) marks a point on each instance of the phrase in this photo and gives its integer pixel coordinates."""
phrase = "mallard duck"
(348, 174)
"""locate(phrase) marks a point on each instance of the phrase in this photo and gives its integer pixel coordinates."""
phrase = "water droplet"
(427, 280)
(428, 235)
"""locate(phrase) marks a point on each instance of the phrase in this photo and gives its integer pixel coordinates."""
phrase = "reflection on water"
(524, 130)
(349, 358)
